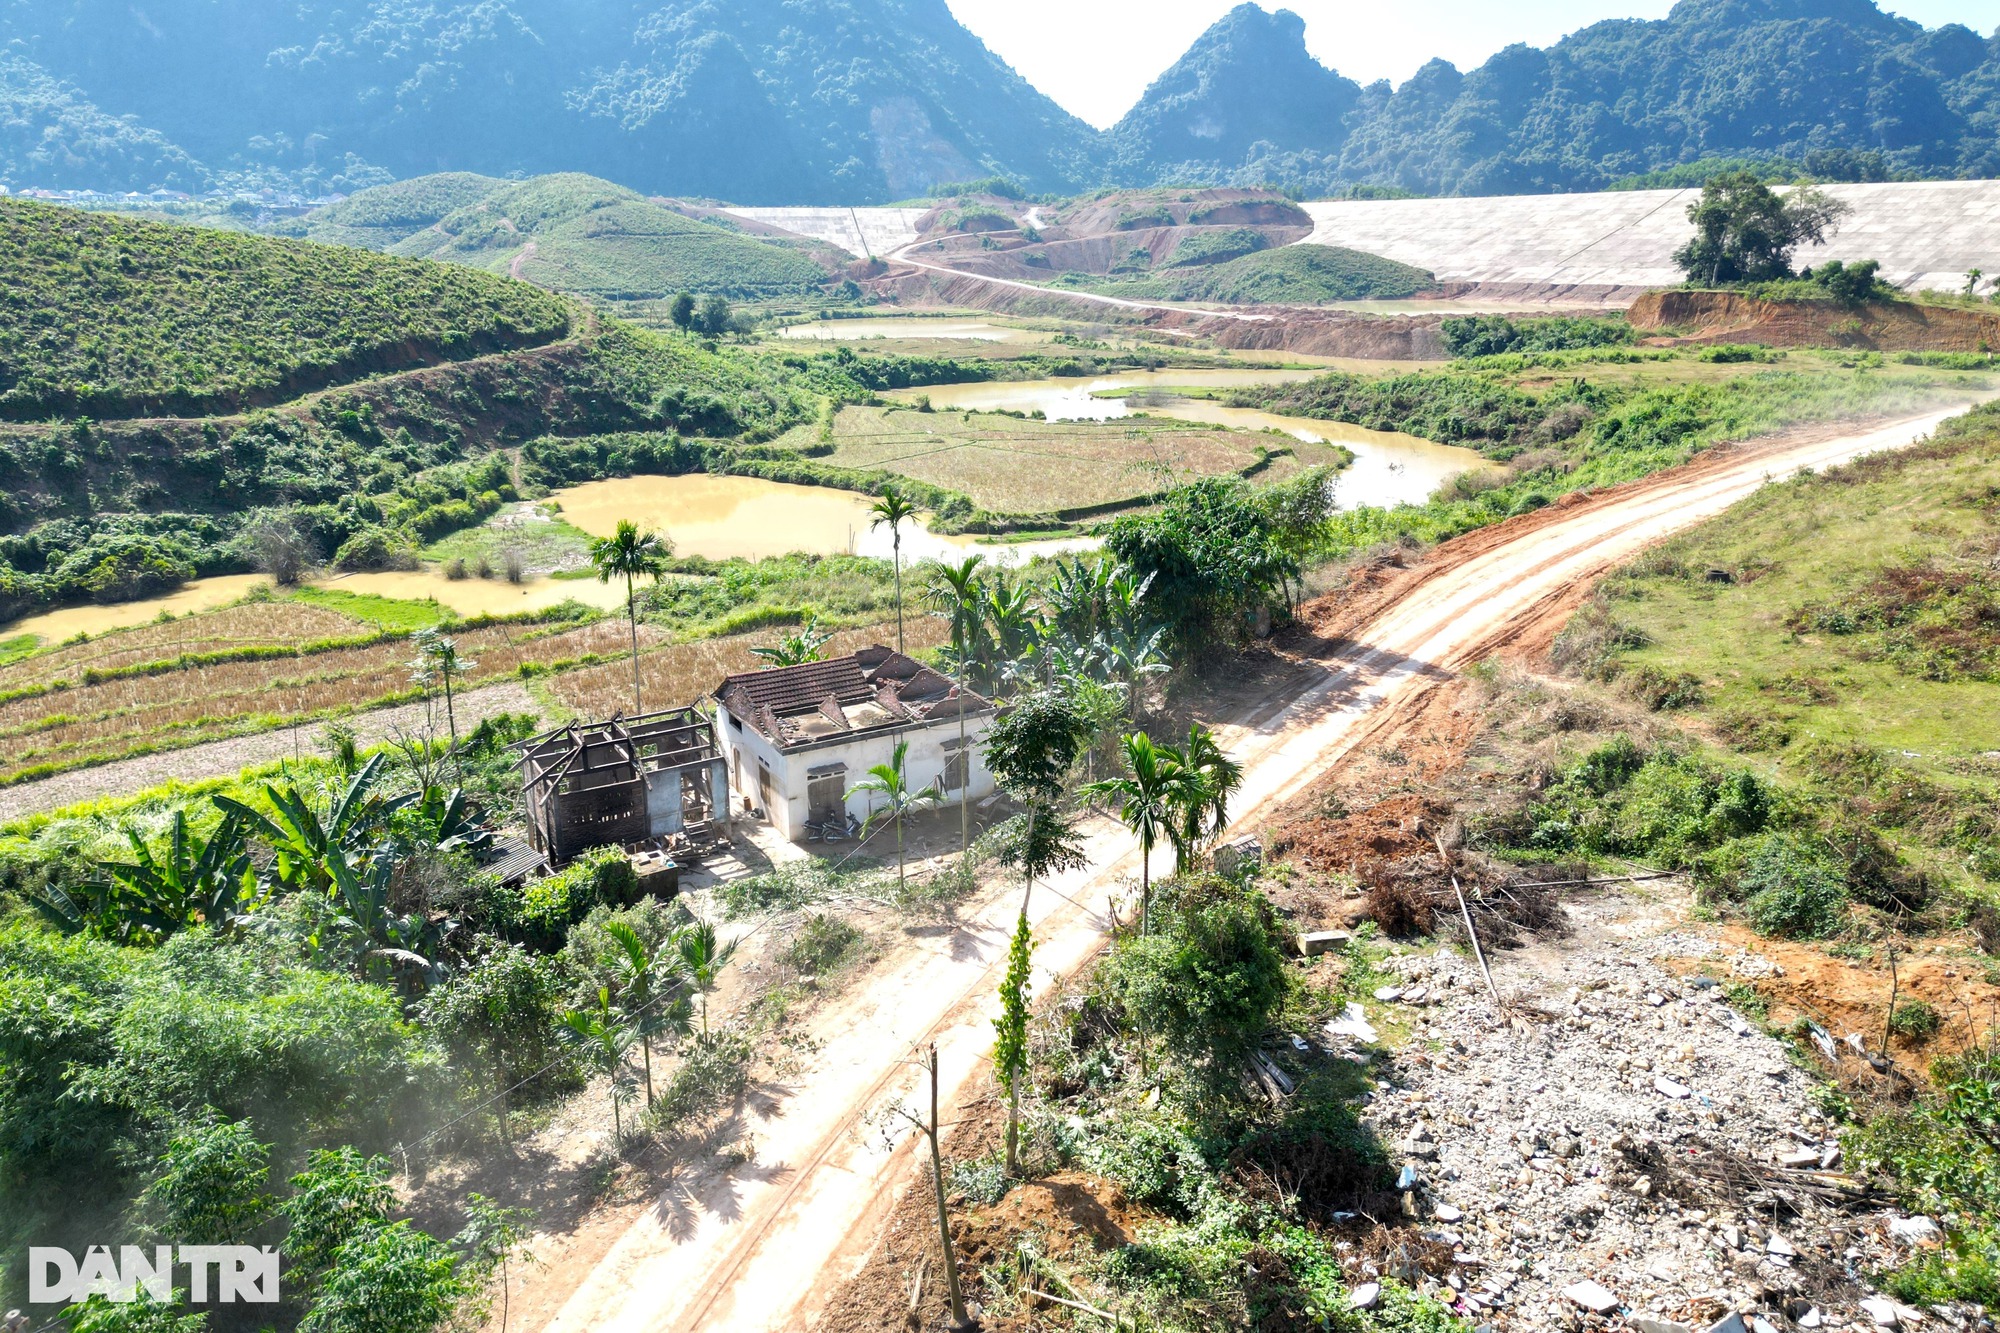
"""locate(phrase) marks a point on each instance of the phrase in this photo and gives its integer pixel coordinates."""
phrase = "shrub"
(123, 568)
(540, 913)
(1915, 1021)
(1792, 891)
(713, 1074)
(211, 1189)
(371, 549)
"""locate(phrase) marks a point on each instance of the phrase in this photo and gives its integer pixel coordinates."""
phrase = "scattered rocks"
(1561, 1129)
(1365, 1297)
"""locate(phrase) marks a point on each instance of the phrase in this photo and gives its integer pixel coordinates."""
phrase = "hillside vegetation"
(106, 316)
(1293, 275)
(573, 233)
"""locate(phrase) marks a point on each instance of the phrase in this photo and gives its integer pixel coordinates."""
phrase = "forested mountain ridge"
(1836, 86)
(865, 101)
(757, 101)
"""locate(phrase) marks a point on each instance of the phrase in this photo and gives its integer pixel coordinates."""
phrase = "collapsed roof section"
(818, 703)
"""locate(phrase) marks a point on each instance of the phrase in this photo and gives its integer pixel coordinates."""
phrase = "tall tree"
(1744, 231)
(890, 784)
(439, 651)
(631, 554)
(1151, 795)
(953, 595)
(604, 1038)
(1030, 753)
(894, 508)
(649, 979)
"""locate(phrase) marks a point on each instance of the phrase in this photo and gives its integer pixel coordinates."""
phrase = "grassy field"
(108, 316)
(1014, 465)
(1860, 607)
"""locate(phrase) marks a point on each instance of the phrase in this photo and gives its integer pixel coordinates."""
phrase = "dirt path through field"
(226, 758)
(762, 1246)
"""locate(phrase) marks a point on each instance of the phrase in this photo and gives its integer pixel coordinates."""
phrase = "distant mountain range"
(863, 101)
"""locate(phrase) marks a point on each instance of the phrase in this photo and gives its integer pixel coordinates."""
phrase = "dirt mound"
(1887, 326)
(1063, 1211)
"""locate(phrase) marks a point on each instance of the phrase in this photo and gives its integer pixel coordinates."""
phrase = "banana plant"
(449, 822)
(190, 882)
(306, 845)
(372, 935)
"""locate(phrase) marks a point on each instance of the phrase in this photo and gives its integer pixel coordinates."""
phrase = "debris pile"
(1616, 1148)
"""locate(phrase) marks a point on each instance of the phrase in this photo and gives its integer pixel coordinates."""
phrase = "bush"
(1915, 1021)
(714, 1072)
(1206, 983)
(540, 913)
(123, 568)
(1495, 335)
(211, 1189)
(372, 549)
(1792, 891)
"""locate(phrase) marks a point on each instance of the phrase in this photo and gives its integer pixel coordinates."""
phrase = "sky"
(1111, 49)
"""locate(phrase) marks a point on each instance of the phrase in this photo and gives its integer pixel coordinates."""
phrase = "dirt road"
(761, 1247)
(226, 758)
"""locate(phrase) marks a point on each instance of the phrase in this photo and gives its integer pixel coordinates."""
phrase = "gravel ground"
(216, 759)
(1549, 1144)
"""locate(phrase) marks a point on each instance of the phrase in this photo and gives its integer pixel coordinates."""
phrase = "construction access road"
(762, 1245)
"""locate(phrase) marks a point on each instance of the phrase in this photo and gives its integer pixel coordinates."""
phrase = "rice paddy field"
(262, 665)
(1015, 465)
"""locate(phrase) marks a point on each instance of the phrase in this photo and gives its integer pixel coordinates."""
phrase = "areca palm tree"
(631, 554)
(891, 782)
(703, 955)
(438, 653)
(1205, 803)
(895, 509)
(1150, 798)
(605, 1039)
(649, 978)
(953, 595)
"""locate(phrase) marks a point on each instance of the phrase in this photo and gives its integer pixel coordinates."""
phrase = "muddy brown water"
(723, 517)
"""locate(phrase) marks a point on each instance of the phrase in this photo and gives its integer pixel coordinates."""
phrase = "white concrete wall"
(862, 232)
(788, 810)
(1926, 234)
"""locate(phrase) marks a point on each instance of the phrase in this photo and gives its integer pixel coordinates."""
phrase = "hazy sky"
(1096, 56)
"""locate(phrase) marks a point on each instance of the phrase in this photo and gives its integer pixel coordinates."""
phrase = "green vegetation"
(1746, 232)
(570, 233)
(106, 316)
(1290, 275)
(1217, 246)
(1495, 335)
(1843, 624)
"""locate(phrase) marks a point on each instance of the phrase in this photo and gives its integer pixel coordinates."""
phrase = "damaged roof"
(875, 689)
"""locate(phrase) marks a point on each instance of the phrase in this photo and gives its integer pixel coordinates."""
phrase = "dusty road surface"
(762, 1246)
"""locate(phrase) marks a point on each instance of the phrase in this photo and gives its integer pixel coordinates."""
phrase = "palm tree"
(605, 1040)
(649, 978)
(440, 652)
(953, 595)
(1215, 778)
(1150, 797)
(631, 554)
(891, 782)
(894, 509)
(703, 955)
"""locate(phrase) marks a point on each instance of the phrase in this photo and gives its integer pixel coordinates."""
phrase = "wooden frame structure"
(623, 781)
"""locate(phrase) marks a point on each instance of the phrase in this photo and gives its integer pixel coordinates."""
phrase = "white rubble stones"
(1545, 1143)
(1881, 1311)
(1592, 1296)
(1365, 1297)
(1914, 1230)
(1316, 942)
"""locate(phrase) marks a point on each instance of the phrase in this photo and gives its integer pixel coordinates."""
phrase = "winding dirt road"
(761, 1247)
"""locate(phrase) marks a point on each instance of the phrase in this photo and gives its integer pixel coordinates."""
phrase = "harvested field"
(252, 625)
(683, 672)
(1011, 465)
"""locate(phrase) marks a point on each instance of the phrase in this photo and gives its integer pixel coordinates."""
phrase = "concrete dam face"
(1926, 234)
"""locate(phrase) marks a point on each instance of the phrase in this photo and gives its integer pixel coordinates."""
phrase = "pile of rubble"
(1612, 1147)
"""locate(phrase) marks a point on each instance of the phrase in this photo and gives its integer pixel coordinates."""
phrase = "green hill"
(1290, 275)
(569, 232)
(381, 386)
(106, 316)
